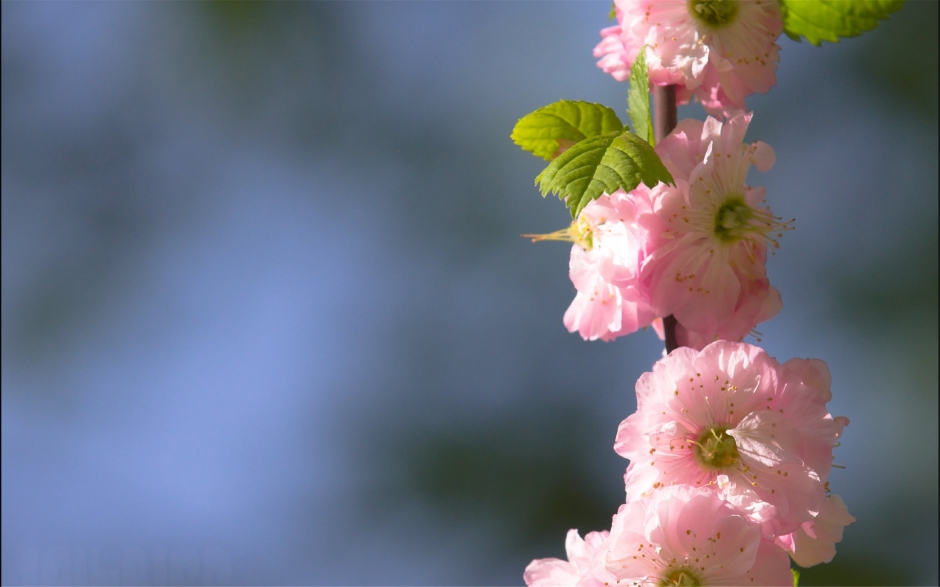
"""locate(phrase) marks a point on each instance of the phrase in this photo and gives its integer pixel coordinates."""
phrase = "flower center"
(715, 449)
(676, 576)
(733, 220)
(716, 14)
(580, 233)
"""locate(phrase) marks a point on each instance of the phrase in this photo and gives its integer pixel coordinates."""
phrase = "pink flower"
(695, 250)
(758, 301)
(605, 266)
(708, 236)
(585, 564)
(815, 542)
(688, 537)
(718, 50)
(732, 419)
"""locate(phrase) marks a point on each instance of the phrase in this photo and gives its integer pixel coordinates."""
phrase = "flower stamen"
(681, 576)
(715, 14)
(716, 449)
(579, 232)
(735, 221)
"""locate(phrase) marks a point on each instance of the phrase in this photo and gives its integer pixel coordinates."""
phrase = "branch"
(666, 114)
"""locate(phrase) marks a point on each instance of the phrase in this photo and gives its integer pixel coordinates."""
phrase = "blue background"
(267, 317)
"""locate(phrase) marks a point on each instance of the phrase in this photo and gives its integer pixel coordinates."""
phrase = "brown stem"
(669, 328)
(664, 110)
(665, 119)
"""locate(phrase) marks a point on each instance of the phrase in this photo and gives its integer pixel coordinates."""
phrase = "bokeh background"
(267, 317)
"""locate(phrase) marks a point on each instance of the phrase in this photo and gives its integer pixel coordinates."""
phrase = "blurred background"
(267, 316)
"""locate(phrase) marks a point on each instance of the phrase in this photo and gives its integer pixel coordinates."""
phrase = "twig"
(665, 119)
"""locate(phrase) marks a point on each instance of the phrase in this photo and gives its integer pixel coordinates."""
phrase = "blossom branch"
(664, 110)
(665, 118)
(669, 331)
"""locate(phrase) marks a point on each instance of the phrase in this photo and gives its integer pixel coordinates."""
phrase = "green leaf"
(638, 99)
(613, 11)
(796, 577)
(828, 20)
(602, 164)
(561, 124)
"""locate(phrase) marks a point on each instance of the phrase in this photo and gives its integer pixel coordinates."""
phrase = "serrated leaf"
(566, 120)
(828, 20)
(602, 164)
(638, 99)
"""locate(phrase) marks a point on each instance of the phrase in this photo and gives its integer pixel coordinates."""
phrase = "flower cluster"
(729, 452)
(717, 50)
(695, 250)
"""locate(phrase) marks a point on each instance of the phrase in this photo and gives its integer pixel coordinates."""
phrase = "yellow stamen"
(579, 232)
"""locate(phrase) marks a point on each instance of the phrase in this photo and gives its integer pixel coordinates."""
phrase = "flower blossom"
(732, 419)
(815, 542)
(585, 564)
(688, 537)
(695, 250)
(605, 266)
(717, 50)
(709, 234)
